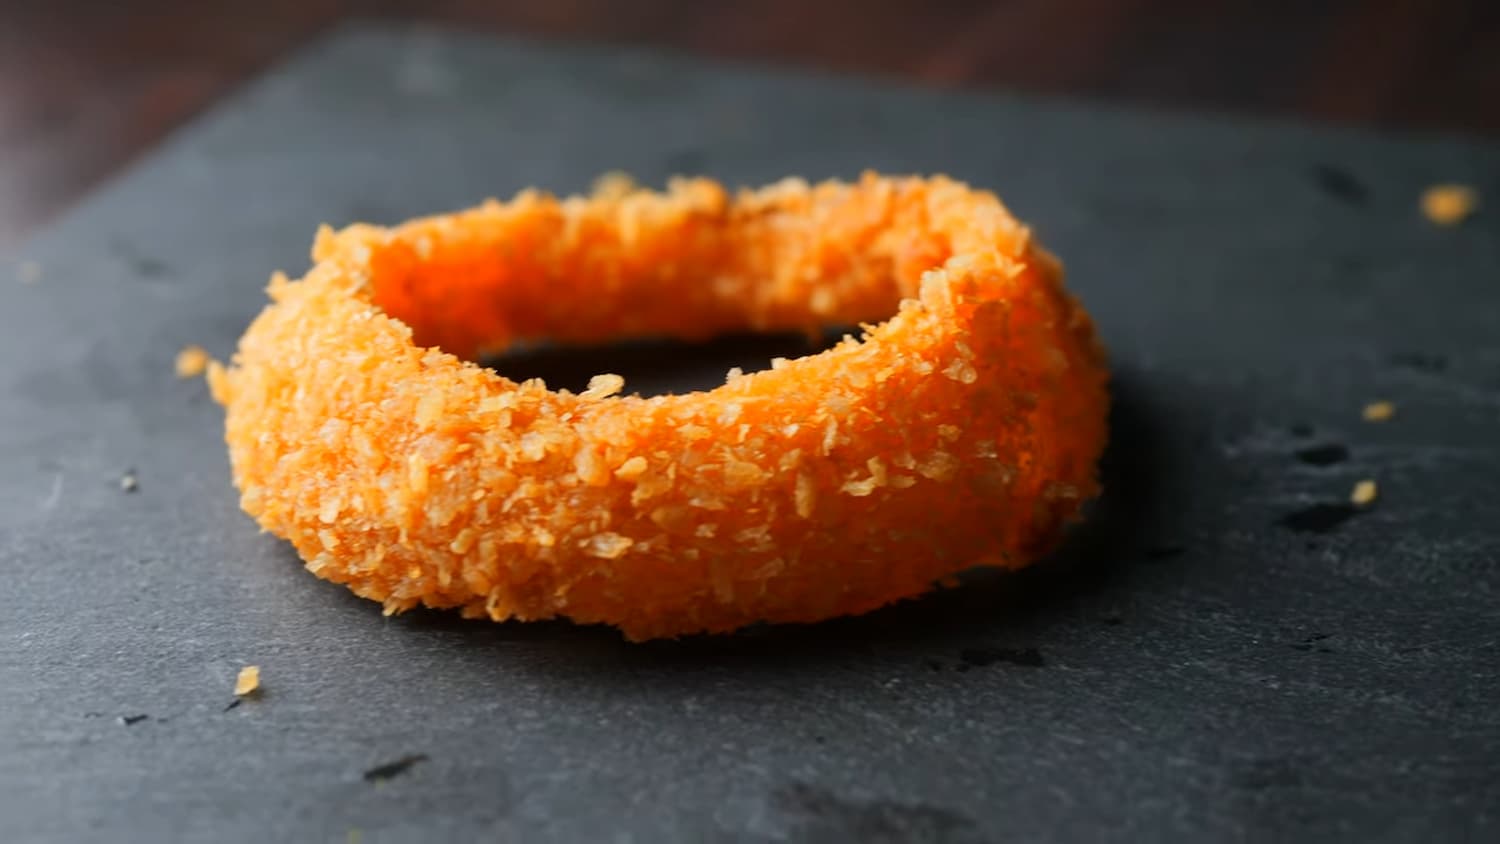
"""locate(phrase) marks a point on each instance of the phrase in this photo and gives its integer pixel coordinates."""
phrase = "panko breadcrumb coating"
(962, 431)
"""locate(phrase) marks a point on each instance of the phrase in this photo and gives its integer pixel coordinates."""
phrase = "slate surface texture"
(1224, 654)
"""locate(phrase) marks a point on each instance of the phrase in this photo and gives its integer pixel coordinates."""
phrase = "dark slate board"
(1209, 673)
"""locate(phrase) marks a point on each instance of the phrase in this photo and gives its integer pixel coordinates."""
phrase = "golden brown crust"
(963, 430)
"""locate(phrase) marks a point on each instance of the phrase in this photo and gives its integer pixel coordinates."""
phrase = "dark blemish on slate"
(652, 366)
(142, 265)
(686, 162)
(1268, 773)
(394, 769)
(1311, 643)
(1311, 546)
(982, 657)
(826, 816)
(1319, 518)
(1165, 552)
(1323, 455)
(148, 267)
(1301, 429)
(1113, 620)
(1420, 361)
(934, 665)
(130, 720)
(234, 703)
(819, 739)
(1340, 184)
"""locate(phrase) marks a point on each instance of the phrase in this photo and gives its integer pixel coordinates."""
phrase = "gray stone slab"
(1212, 671)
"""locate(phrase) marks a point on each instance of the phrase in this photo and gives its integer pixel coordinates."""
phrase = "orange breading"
(962, 431)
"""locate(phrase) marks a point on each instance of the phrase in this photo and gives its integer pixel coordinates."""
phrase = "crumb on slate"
(1364, 493)
(191, 362)
(248, 681)
(28, 272)
(1449, 205)
(128, 481)
(1379, 411)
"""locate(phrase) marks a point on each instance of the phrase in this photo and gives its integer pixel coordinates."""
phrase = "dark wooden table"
(86, 86)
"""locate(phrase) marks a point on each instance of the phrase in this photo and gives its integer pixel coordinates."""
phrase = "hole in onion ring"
(657, 367)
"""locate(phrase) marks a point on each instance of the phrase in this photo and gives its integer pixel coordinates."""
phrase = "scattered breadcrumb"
(1364, 493)
(191, 362)
(28, 272)
(1449, 205)
(128, 481)
(248, 681)
(1379, 411)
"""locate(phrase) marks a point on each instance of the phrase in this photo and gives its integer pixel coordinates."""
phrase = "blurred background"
(87, 85)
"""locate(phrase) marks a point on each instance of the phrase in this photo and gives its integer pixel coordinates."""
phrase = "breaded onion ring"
(962, 431)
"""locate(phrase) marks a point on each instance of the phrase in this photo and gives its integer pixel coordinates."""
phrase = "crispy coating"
(961, 431)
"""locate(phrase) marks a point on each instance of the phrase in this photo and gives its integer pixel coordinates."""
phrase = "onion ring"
(962, 431)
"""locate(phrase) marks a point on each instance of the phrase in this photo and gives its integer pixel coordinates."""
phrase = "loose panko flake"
(962, 430)
(248, 681)
(191, 362)
(1364, 493)
(1378, 411)
(1449, 205)
(28, 272)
